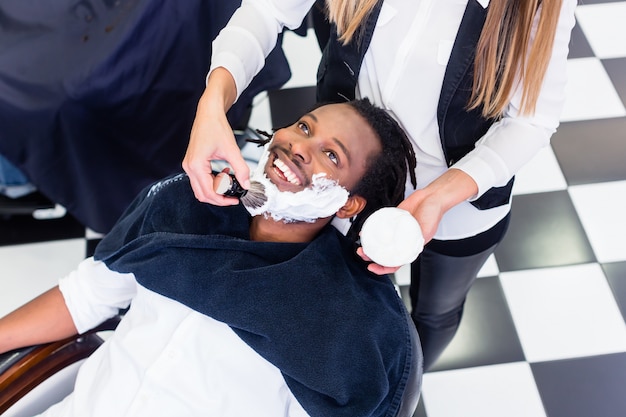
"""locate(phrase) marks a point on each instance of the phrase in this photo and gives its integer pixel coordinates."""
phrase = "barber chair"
(35, 377)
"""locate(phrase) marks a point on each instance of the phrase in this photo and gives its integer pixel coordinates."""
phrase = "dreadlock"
(385, 177)
(382, 185)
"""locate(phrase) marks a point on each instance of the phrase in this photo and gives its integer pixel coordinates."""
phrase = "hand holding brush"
(227, 185)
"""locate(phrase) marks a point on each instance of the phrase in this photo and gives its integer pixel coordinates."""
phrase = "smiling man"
(240, 314)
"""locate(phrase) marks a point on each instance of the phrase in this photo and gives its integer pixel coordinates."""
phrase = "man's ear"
(353, 206)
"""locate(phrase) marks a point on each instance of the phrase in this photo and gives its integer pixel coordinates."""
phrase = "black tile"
(591, 151)
(616, 69)
(583, 387)
(20, 229)
(578, 45)
(420, 411)
(287, 105)
(616, 275)
(545, 231)
(91, 247)
(487, 333)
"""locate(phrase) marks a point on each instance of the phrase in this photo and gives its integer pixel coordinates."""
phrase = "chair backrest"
(414, 384)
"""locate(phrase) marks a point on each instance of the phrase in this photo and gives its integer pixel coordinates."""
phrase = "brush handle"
(229, 186)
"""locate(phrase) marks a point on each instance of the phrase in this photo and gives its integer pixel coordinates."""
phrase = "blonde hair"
(503, 52)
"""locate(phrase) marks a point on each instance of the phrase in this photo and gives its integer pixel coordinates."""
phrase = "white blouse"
(403, 72)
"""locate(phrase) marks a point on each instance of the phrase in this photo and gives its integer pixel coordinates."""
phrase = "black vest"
(459, 129)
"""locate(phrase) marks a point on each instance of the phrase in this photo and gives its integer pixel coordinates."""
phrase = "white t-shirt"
(174, 362)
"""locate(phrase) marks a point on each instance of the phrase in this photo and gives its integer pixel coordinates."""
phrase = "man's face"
(334, 140)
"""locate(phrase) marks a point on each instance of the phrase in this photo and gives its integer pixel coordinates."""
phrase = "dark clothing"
(339, 334)
(443, 274)
(97, 98)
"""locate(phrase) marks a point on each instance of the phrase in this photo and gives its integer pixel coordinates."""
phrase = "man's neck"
(268, 230)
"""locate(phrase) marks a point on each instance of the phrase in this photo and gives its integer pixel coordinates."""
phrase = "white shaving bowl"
(392, 237)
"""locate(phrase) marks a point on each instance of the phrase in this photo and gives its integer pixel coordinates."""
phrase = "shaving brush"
(227, 185)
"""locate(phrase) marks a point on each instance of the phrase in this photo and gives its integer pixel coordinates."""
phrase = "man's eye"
(304, 128)
(333, 157)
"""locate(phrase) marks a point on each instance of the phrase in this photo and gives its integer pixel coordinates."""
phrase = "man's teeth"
(291, 177)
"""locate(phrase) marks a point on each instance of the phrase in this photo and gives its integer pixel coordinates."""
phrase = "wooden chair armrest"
(23, 369)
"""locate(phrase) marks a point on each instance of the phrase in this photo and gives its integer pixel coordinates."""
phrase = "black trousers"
(441, 277)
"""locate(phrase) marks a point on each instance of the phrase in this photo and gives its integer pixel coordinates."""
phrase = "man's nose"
(301, 150)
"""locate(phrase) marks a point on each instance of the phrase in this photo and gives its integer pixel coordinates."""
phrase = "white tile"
(303, 54)
(261, 116)
(541, 174)
(92, 234)
(28, 270)
(602, 208)
(564, 312)
(490, 268)
(403, 275)
(490, 391)
(589, 92)
(603, 25)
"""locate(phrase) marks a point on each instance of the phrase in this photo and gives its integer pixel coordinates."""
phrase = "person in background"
(478, 85)
(233, 314)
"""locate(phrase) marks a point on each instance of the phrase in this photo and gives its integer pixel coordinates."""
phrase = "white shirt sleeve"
(251, 34)
(94, 293)
(515, 140)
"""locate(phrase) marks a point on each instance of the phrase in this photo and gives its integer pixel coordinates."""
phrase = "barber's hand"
(426, 211)
(374, 267)
(212, 139)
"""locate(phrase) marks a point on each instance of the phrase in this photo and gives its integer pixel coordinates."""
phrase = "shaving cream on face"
(323, 199)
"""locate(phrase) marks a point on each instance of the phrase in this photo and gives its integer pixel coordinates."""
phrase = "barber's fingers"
(374, 267)
(204, 192)
(241, 168)
(211, 139)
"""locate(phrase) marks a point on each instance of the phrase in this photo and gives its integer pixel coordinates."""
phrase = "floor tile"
(26, 229)
(289, 104)
(589, 92)
(603, 25)
(591, 151)
(544, 231)
(601, 209)
(583, 387)
(616, 275)
(303, 54)
(487, 333)
(492, 391)
(616, 69)
(578, 46)
(541, 174)
(30, 269)
(564, 312)
(490, 269)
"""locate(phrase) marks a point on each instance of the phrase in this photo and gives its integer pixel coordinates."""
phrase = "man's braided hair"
(383, 184)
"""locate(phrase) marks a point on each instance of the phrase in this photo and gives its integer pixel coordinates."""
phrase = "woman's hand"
(429, 204)
(212, 139)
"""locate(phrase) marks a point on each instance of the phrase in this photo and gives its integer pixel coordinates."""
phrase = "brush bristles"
(255, 197)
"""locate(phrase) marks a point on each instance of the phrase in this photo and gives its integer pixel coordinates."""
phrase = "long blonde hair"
(503, 52)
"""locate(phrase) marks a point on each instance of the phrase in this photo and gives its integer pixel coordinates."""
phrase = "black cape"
(97, 98)
(338, 333)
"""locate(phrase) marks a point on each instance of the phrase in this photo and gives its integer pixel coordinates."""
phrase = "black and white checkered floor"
(544, 330)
